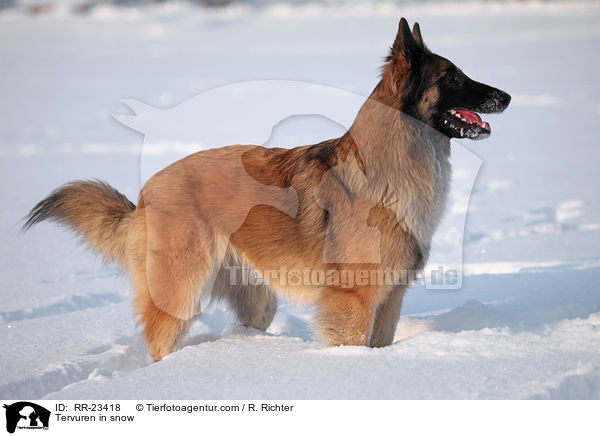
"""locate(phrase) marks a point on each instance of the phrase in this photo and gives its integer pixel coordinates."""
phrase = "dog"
(370, 200)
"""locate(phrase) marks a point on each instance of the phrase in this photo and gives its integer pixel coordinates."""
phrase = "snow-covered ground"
(526, 323)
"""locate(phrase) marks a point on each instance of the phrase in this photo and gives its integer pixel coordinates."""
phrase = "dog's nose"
(505, 99)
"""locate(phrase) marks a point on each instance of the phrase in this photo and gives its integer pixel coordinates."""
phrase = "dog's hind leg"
(170, 270)
(253, 304)
(163, 332)
(386, 318)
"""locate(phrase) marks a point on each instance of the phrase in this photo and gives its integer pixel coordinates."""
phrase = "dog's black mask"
(436, 92)
(461, 99)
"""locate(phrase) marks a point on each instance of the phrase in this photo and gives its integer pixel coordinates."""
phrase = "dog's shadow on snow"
(473, 315)
(525, 300)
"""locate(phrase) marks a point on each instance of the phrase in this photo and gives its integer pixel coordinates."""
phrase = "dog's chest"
(441, 177)
(422, 190)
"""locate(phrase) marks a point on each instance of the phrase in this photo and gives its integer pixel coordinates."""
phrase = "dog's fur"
(171, 243)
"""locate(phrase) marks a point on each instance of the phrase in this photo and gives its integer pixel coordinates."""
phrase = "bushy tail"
(96, 211)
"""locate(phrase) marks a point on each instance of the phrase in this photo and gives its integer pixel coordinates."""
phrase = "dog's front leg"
(345, 316)
(386, 318)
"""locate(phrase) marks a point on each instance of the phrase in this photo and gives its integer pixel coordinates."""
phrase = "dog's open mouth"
(466, 124)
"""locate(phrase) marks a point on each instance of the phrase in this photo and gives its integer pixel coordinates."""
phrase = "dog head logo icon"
(26, 415)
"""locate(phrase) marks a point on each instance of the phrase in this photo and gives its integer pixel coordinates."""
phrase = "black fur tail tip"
(44, 210)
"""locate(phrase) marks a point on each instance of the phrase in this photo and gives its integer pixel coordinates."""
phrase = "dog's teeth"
(452, 111)
(461, 131)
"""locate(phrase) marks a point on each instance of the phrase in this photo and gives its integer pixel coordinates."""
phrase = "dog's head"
(433, 90)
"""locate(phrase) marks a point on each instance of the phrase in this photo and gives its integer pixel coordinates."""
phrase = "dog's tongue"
(470, 117)
(473, 118)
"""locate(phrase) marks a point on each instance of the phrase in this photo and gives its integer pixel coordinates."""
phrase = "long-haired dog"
(357, 205)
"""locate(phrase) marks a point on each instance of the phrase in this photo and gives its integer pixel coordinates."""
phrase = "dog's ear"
(416, 33)
(405, 44)
(400, 62)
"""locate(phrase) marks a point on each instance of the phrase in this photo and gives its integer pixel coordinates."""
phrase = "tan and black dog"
(389, 173)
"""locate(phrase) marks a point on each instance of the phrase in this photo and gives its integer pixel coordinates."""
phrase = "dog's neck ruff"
(406, 166)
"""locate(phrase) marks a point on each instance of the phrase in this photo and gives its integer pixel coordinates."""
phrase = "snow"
(526, 322)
